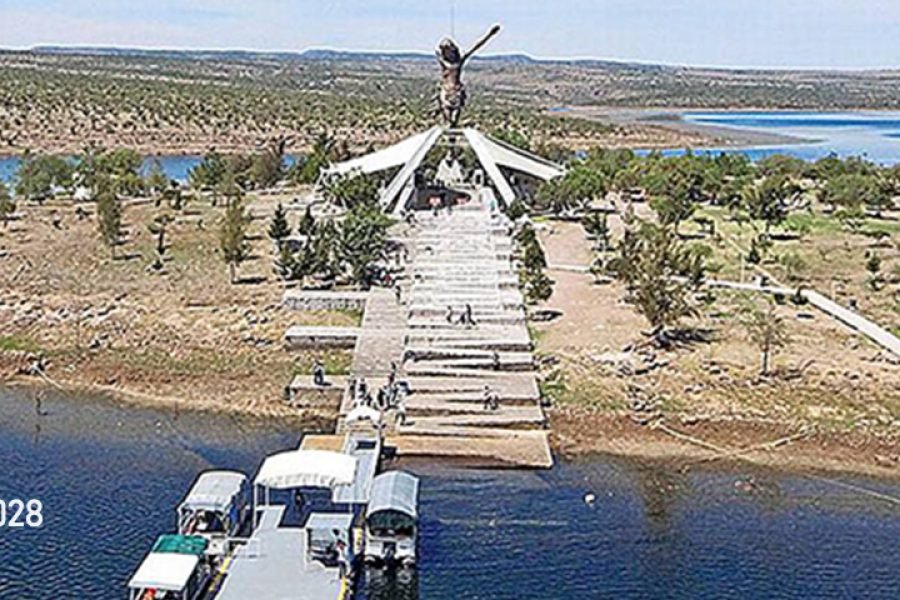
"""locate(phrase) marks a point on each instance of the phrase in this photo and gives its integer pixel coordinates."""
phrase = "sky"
(732, 33)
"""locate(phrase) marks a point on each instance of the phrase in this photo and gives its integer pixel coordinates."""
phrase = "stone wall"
(311, 300)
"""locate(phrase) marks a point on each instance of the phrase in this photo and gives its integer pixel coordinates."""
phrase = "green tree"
(873, 266)
(39, 175)
(7, 204)
(362, 239)
(267, 167)
(233, 235)
(768, 200)
(595, 225)
(514, 137)
(123, 168)
(109, 214)
(323, 152)
(516, 210)
(579, 186)
(661, 273)
(279, 229)
(780, 165)
(286, 264)
(307, 223)
(157, 182)
(766, 330)
(536, 286)
(350, 190)
(208, 175)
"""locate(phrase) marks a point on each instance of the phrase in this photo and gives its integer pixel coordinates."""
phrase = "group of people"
(463, 318)
(437, 203)
(389, 396)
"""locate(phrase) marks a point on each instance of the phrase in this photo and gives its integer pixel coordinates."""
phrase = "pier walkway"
(272, 566)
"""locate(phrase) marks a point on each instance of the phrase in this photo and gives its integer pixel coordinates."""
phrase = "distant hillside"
(325, 54)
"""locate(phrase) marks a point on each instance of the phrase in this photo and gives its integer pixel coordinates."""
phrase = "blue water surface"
(111, 476)
(872, 135)
(176, 167)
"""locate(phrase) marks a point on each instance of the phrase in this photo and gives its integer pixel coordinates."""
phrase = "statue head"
(449, 51)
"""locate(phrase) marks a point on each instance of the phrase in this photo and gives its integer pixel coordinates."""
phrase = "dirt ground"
(839, 389)
(184, 335)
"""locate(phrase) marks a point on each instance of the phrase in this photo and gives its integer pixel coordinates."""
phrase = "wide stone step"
(485, 344)
(432, 353)
(512, 318)
(514, 385)
(463, 367)
(436, 426)
(469, 403)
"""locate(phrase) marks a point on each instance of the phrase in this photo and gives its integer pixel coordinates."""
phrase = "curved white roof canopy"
(409, 154)
(214, 490)
(164, 571)
(397, 491)
(306, 468)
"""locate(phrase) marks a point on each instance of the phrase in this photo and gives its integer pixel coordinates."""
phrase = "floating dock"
(273, 566)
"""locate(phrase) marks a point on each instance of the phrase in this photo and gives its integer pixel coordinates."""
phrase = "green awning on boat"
(180, 544)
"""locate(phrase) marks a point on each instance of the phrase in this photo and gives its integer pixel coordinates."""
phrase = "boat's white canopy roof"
(397, 491)
(306, 468)
(214, 490)
(164, 571)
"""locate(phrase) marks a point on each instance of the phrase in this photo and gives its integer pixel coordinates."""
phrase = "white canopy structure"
(409, 154)
(164, 571)
(306, 468)
(214, 490)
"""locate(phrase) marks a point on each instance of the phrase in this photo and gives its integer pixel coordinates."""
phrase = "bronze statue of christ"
(452, 96)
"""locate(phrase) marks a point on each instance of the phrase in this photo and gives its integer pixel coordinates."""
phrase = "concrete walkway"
(461, 259)
(458, 259)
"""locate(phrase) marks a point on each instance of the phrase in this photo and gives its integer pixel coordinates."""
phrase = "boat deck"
(272, 566)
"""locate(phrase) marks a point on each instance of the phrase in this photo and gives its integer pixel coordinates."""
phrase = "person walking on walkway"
(468, 320)
(318, 373)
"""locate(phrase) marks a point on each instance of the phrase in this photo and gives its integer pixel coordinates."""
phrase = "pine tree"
(767, 331)
(157, 180)
(286, 264)
(109, 214)
(307, 223)
(233, 235)
(279, 229)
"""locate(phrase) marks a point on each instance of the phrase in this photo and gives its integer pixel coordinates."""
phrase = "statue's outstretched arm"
(480, 43)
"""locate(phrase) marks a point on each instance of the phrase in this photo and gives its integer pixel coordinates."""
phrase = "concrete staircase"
(463, 259)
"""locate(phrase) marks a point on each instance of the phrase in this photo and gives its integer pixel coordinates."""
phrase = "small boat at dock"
(177, 568)
(216, 508)
(391, 523)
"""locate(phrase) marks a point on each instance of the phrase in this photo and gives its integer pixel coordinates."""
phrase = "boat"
(177, 568)
(391, 522)
(216, 508)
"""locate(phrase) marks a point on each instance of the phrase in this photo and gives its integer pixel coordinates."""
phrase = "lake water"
(110, 478)
(175, 167)
(873, 135)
